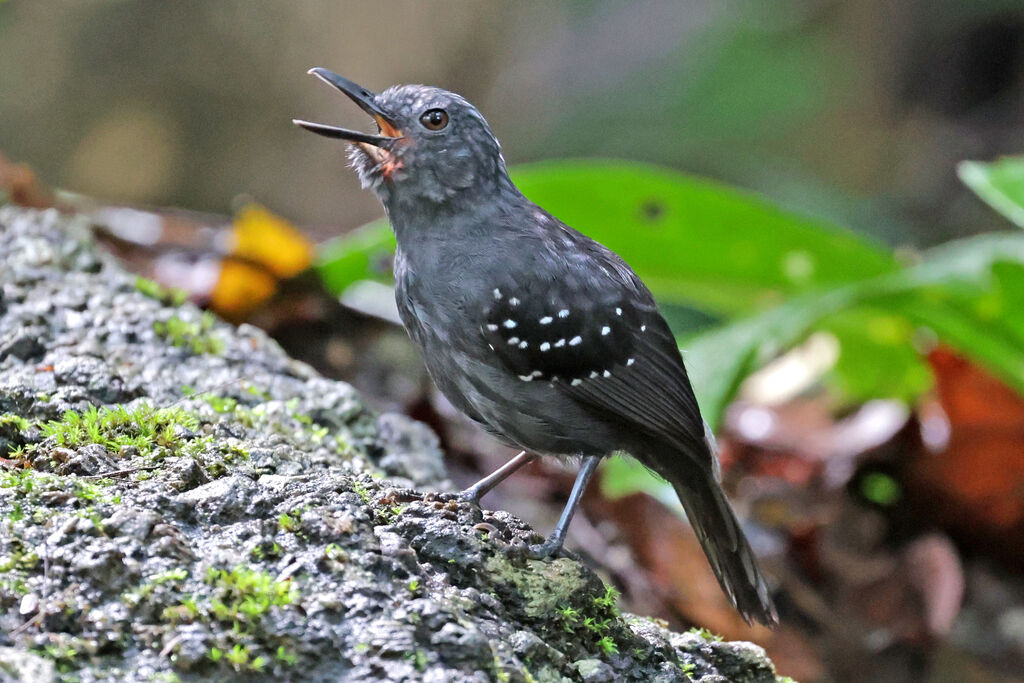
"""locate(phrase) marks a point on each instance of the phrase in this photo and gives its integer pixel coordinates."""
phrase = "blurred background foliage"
(815, 190)
(856, 112)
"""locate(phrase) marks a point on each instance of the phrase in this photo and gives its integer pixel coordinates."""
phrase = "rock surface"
(179, 500)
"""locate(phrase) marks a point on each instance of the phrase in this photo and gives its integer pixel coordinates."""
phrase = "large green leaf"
(1000, 183)
(697, 242)
(968, 292)
(693, 241)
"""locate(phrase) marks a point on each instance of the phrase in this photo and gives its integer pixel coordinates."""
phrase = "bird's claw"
(538, 551)
(470, 495)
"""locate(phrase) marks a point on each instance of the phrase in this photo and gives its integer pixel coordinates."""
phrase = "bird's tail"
(724, 543)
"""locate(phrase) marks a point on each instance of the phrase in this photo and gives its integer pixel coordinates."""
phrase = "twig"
(118, 473)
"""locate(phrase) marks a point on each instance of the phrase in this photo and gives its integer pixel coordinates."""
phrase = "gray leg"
(557, 537)
(475, 492)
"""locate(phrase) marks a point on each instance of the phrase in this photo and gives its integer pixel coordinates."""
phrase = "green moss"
(179, 574)
(236, 601)
(608, 646)
(221, 404)
(555, 592)
(361, 491)
(154, 290)
(19, 559)
(545, 585)
(26, 482)
(419, 659)
(244, 594)
(16, 421)
(705, 634)
(285, 656)
(198, 337)
(149, 430)
(291, 522)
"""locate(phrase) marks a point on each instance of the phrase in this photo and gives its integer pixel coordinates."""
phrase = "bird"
(541, 335)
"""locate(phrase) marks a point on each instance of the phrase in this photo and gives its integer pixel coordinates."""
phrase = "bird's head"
(431, 145)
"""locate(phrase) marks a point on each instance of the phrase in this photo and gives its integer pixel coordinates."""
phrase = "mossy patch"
(543, 584)
(154, 290)
(196, 336)
(237, 600)
(149, 430)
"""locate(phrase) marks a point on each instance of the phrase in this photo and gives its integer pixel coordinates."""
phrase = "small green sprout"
(608, 646)
(290, 522)
(17, 421)
(154, 290)
(608, 601)
(143, 427)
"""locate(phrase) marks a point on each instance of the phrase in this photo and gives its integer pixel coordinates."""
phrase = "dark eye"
(434, 119)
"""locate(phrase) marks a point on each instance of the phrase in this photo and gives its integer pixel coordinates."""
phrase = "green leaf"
(363, 254)
(968, 292)
(719, 360)
(877, 358)
(621, 476)
(999, 183)
(697, 242)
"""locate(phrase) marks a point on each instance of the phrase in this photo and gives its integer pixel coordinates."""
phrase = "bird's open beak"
(367, 102)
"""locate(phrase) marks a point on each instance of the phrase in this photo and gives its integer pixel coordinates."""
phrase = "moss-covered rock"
(181, 501)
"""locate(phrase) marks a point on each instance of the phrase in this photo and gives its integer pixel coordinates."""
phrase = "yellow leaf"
(262, 237)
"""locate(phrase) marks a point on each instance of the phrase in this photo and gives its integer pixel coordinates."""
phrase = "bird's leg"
(557, 537)
(475, 492)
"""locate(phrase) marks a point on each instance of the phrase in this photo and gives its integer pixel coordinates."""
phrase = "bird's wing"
(592, 330)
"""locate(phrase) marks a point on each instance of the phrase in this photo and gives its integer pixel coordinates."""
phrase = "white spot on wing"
(509, 324)
(618, 310)
(593, 374)
(526, 378)
(513, 301)
(545, 346)
(492, 327)
(576, 382)
(576, 341)
(523, 344)
(564, 313)
(607, 373)
(605, 330)
(546, 320)
(513, 341)
(643, 328)
(497, 293)
(630, 361)
(560, 342)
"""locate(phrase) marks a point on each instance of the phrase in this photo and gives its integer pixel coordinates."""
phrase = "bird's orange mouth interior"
(386, 128)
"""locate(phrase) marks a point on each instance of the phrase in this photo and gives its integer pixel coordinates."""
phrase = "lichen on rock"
(182, 501)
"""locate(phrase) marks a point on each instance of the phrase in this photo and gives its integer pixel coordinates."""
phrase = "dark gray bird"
(540, 334)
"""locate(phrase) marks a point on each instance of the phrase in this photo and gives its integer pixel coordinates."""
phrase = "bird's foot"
(471, 495)
(542, 551)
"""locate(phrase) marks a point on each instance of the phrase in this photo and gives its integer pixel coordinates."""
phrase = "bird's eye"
(434, 119)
